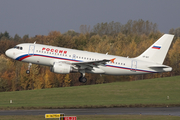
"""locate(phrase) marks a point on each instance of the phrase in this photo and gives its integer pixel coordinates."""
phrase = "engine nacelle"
(61, 68)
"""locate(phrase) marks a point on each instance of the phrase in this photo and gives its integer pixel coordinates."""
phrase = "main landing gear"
(82, 78)
(29, 66)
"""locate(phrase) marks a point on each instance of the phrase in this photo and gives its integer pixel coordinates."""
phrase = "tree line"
(130, 39)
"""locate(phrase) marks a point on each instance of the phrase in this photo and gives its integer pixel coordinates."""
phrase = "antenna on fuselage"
(35, 42)
(107, 53)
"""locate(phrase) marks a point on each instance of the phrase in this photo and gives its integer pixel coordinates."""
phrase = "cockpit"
(18, 47)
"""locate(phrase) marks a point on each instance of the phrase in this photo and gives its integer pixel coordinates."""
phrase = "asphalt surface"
(174, 111)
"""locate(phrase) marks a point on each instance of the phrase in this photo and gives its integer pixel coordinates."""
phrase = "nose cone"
(9, 53)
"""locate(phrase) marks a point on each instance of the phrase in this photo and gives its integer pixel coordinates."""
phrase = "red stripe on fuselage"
(24, 57)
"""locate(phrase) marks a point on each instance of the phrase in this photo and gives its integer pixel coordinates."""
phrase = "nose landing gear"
(29, 66)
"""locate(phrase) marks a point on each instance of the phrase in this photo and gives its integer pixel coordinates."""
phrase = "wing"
(91, 64)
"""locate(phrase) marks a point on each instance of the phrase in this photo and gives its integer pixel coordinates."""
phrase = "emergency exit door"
(133, 65)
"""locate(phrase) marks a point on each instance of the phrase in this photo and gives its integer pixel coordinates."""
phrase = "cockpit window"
(18, 47)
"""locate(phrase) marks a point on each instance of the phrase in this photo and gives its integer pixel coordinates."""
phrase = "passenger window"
(21, 48)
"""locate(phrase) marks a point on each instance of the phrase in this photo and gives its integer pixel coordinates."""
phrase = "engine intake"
(61, 68)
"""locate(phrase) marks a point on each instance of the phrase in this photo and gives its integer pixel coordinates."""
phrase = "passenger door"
(31, 50)
(133, 65)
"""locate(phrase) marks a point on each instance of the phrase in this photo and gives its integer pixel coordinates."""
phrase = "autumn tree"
(4, 35)
(175, 32)
(24, 78)
(84, 29)
(174, 55)
(48, 80)
(67, 81)
(106, 28)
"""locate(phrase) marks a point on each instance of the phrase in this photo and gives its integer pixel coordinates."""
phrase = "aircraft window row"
(52, 53)
(18, 47)
(77, 57)
(118, 63)
(86, 58)
(58, 54)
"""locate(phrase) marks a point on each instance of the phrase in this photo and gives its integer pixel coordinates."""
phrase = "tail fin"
(157, 52)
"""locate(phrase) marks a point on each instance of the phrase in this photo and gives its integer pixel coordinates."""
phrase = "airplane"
(64, 60)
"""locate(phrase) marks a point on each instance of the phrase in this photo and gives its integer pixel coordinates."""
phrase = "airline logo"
(54, 50)
(156, 47)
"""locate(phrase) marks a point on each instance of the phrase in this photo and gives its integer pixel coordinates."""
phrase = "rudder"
(158, 51)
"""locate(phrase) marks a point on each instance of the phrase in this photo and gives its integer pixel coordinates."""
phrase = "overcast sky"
(39, 17)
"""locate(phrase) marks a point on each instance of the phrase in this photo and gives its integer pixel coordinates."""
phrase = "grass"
(95, 117)
(142, 93)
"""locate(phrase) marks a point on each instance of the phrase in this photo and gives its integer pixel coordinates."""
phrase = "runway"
(174, 111)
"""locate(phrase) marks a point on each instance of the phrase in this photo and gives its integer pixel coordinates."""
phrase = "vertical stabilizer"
(157, 52)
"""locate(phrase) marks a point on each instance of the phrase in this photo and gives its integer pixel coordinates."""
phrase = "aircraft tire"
(27, 71)
(82, 79)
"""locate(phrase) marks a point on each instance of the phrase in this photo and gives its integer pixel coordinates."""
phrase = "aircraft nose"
(9, 53)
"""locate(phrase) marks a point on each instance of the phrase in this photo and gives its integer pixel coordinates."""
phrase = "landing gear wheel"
(29, 66)
(82, 79)
(27, 71)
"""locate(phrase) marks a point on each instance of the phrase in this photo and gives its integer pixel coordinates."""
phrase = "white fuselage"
(47, 55)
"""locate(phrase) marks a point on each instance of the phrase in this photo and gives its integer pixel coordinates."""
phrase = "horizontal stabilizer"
(158, 66)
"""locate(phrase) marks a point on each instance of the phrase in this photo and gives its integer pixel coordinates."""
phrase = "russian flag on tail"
(156, 47)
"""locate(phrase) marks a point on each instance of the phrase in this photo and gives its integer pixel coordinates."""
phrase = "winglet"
(112, 60)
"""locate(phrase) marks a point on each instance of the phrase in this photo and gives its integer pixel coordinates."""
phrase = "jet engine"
(62, 68)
